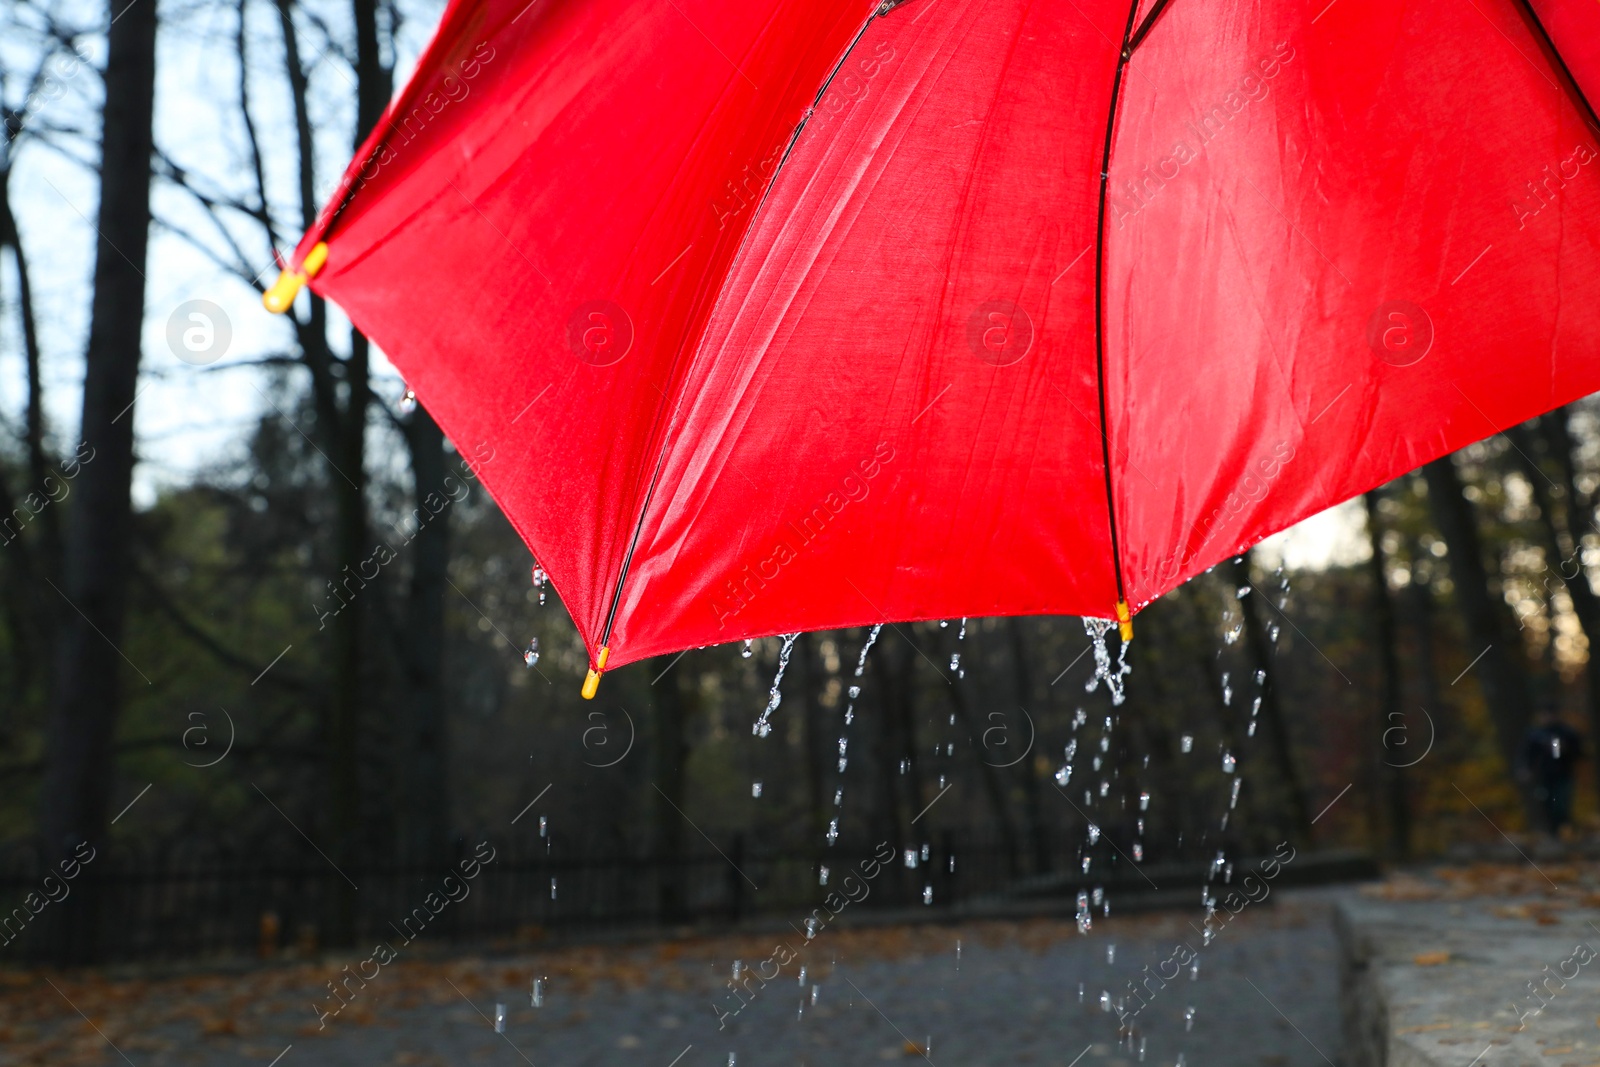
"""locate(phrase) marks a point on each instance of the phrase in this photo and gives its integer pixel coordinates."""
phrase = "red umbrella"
(760, 316)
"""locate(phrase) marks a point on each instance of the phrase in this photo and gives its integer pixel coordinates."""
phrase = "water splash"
(1097, 629)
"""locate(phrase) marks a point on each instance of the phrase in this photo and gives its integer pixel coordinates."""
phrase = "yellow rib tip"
(591, 681)
(280, 298)
(1124, 621)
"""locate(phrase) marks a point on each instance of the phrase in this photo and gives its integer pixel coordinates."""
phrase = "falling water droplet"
(755, 789)
(905, 765)
(955, 661)
(1188, 1018)
(944, 624)
(1228, 763)
(802, 974)
(1111, 953)
(1234, 802)
(1144, 801)
(1273, 631)
(1085, 916)
(962, 636)
(1138, 852)
(1097, 629)
(833, 828)
(861, 661)
(749, 648)
(732, 1059)
(838, 797)
(911, 858)
(1194, 970)
(499, 1018)
(1064, 774)
(775, 695)
(539, 578)
(1242, 592)
(1233, 633)
(855, 691)
(1187, 743)
(408, 402)
(1227, 690)
(1080, 992)
(816, 991)
(1094, 836)
(552, 889)
(531, 656)
(536, 997)
(544, 826)
(927, 894)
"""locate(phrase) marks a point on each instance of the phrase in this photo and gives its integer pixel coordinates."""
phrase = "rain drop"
(755, 789)
(1111, 953)
(1242, 592)
(1085, 916)
(408, 401)
(911, 858)
(855, 691)
(1138, 852)
(539, 578)
(1144, 801)
(1188, 1018)
(499, 1018)
(1187, 743)
(927, 894)
(822, 879)
(748, 649)
(536, 997)
(1228, 763)
(955, 661)
(531, 656)
(552, 889)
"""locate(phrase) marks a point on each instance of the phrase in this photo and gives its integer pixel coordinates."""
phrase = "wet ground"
(967, 995)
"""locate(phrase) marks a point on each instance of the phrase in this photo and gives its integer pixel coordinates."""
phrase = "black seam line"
(794, 138)
(1572, 85)
(1148, 25)
(1099, 293)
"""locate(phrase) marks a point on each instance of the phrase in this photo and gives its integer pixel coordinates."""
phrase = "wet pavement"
(979, 994)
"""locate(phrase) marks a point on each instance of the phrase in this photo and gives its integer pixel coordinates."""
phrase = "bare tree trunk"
(813, 736)
(1501, 678)
(993, 786)
(673, 707)
(1390, 714)
(1030, 777)
(1579, 520)
(76, 793)
(425, 799)
(1277, 727)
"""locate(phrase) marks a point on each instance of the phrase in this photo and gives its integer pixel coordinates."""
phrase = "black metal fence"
(190, 901)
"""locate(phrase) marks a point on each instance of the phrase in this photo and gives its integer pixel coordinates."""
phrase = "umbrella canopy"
(758, 316)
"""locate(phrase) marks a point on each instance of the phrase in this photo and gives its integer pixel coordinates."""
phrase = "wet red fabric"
(730, 382)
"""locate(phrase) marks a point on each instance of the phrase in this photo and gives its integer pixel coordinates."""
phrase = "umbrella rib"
(1147, 25)
(1099, 289)
(1576, 90)
(794, 139)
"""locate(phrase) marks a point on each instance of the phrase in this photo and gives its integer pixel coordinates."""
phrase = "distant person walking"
(1552, 750)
